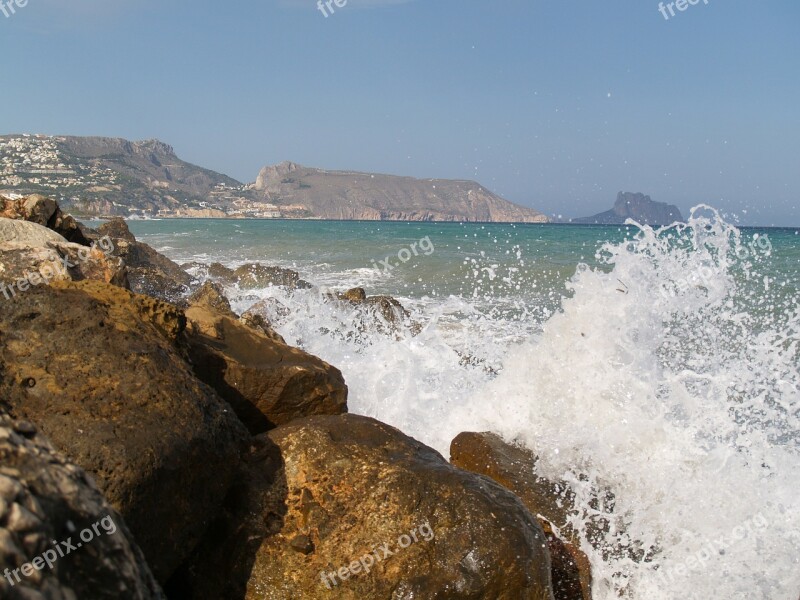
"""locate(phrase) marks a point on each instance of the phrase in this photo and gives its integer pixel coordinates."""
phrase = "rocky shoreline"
(131, 391)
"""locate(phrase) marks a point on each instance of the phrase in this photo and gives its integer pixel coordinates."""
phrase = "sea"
(657, 367)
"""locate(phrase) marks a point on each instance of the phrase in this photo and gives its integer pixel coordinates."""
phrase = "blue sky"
(555, 104)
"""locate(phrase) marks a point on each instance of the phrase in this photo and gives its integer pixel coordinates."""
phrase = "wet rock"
(211, 295)
(44, 497)
(515, 468)
(149, 272)
(265, 381)
(253, 275)
(356, 488)
(112, 392)
(354, 295)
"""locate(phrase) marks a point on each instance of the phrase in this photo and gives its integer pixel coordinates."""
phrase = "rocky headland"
(132, 395)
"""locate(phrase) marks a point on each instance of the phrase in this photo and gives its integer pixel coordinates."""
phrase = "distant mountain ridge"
(372, 196)
(638, 207)
(99, 176)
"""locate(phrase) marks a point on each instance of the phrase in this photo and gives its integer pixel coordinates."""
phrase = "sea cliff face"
(375, 197)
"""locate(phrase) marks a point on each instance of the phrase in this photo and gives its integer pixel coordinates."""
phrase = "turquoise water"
(662, 366)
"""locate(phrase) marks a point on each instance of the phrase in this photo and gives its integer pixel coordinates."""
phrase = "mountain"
(97, 176)
(108, 176)
(370, 196)
(638, 207)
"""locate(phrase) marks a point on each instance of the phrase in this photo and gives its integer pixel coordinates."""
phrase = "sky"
(553, 104)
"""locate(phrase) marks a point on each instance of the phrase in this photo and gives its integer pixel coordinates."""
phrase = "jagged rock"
(149, 272)
(254, 275)
(43, 211)
(515, 468)
(220, 271)
(319, 495)
(97, 369)
(262, 325)
(354, 295)
(23, 267)
(211, 295)
(32, 255)
(266, 382)
(44, 498)
(383, 313)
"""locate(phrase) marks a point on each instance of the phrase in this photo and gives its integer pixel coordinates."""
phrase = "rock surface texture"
(44, 498)
(346, 507)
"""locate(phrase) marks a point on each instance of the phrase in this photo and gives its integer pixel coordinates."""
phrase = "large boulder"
(32, 255)
(514, 467)
(26, 233)
(59, 538)
(44, 211)
(97, 369)
(149, 272)
(265, 381)
(346, 507)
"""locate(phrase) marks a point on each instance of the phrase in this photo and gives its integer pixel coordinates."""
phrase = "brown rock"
(356, 295)
(317, 498)
(149, 272)
(515, 468)
(96, 368)
(44, 211)
(44, 497)
(254, 275)
(211, 295)
(266, 382)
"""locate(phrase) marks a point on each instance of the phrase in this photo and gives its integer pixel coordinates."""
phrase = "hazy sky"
(555, 104)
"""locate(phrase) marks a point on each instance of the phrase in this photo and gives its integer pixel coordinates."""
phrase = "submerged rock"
(347, 507)
(266, 382)
(44, 499)
(97, 369)
(515, 469)
(255, 275)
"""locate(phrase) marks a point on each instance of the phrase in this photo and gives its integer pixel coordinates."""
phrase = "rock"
(265, 381)
(220, 271)
(383, 313)
(97, 369)
(254, 275)
(320, 494)
(45, 212)
(149, 272)
(44, 497)
(262, 325)
(26, 233)
(23, 266)
(211, 295)
(355, 295)
(515, 469)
